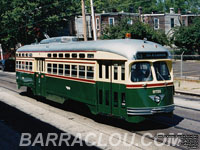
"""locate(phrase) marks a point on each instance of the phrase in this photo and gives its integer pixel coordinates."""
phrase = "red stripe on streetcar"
(25, 59)
(148, 85)
(63, 77)
(70, 62)
(25, 71)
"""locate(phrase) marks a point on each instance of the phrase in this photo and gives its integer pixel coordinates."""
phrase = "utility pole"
(1, 51)
(93, 21)
(84, 20)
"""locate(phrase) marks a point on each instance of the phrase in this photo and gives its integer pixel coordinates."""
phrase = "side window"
(60, 55)
(123, 72)
(54, 55)
(67, 70)
(81, 71)
(115, 71)
(23, 65)
(49, 55)
(17, 64)
(67, 55)
(49, 68)
(74, 55)
(90, 72)
(81, 55)
(26, 66)
(60, 69)
(30, 66)
(55, 66)
(106, 71)
(74, 70)
(100, 70)
(20, 64)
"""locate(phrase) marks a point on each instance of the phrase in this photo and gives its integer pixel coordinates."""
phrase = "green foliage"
(24, 21)
(188, 38)
(138, 30)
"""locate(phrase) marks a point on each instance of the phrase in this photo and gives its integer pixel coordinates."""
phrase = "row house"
(109, 19)
(158, 21)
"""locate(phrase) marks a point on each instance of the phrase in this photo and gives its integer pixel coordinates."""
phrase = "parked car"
(7, 65)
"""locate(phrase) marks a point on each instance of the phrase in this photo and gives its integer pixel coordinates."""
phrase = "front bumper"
(150, 111)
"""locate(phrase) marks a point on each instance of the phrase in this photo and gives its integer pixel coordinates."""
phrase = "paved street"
(21, 113)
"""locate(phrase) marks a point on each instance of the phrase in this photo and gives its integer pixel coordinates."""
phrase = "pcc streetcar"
(126, 78)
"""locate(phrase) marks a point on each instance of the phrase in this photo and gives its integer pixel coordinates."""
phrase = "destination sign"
(152, 55)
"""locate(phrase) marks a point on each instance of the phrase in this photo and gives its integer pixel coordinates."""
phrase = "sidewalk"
(187, 87)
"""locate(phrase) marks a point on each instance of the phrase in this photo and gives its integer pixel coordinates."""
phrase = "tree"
(24, 21)
(187, 39)
(138, 30)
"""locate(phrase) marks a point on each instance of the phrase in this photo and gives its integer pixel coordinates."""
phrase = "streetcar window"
(107, 72)
(67, 55)
(55, 66)
(81, 71)
(55, 55)
(22, 54)
(100, 97)
(100, 70)
(115, 99)
(74, 70)
(30, 66)
(67, 70)
(115, 71)
(90, 55)
(60, 69)
(107, 97)
(74, 55)
(30, 55)
(90, 72)
(60, 55)
(49, 55)
(17, 65)
(26, 66)
(20, 66)
(19, 55)
(16, 55)
(141, 72)
(49, 68)
(123, 99)
(123, 72)
(81, 55)
(23, 63)
(26, 54)
(162, 72)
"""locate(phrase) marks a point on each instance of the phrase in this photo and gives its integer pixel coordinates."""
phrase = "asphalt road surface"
(41, 116)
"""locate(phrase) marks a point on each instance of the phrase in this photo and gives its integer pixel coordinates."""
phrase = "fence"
(186, 66)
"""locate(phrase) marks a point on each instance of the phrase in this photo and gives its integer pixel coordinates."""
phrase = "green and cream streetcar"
(127, 78)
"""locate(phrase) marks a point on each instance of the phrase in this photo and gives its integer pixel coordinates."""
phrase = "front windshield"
(141, 72)
(162, 72)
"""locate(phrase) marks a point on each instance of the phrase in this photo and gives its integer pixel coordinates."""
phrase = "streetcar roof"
(124, 47)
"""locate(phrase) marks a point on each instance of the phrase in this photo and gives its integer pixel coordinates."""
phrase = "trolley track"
(158, 122)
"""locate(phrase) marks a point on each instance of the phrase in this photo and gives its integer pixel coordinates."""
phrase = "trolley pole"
(182, 64)
(84, 20)
(1, 51)
(93, 21)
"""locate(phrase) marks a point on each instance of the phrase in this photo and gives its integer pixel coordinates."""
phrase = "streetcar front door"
(104, 89)
(40, 77)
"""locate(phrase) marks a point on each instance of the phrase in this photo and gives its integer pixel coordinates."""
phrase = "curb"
(187, 93)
